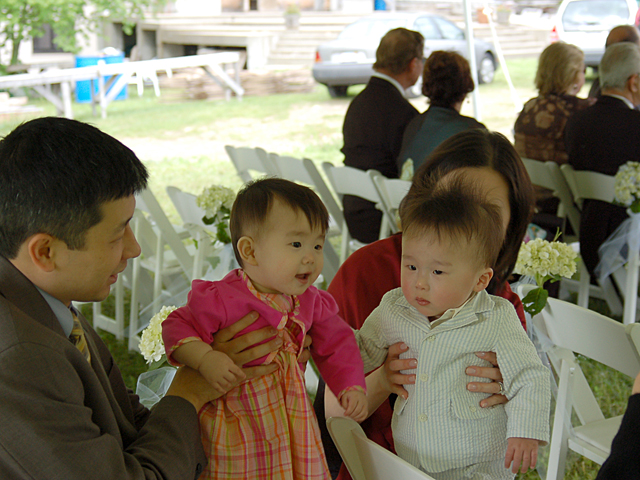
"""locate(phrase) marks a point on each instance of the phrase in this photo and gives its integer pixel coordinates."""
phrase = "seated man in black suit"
(376, 119)
(603, 137)
(621, 33)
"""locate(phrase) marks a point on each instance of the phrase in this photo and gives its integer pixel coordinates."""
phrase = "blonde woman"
(539, 129)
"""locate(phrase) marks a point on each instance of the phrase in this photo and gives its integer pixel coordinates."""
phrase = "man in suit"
(603, 137)
(66, 199)
(621, 33)
(376, 119)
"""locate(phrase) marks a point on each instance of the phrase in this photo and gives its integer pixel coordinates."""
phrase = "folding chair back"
(548, 175)
(247, 159)
(352, 181)
(573, 329)
(391, 192)
(365, 459)
(186, 205)
(586, 185)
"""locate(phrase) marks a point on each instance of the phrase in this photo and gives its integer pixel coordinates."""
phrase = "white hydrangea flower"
(151, 344)
(213, 198)
(627, 184)
(544, 260)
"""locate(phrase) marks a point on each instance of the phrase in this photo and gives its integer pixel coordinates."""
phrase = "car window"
(425, 26)
(371, 29)
(448, 29)
(601, 14)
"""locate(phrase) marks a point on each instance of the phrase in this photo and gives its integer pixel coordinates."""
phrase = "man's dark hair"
(55, 174)
(254, 201)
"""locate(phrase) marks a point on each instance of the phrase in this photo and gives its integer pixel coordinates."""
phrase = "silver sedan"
(348, 60)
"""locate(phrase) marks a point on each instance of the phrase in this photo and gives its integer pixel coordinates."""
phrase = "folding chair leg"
(583, 290)
(559, 444)
(344, 247)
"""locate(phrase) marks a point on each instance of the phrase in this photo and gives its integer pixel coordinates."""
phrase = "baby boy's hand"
(521, 451)
(355, 405)
(220, 371)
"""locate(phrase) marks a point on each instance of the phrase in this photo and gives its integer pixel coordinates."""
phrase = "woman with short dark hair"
(446, 81)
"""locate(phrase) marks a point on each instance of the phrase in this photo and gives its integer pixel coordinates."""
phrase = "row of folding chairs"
(340, 181)
(572, 188)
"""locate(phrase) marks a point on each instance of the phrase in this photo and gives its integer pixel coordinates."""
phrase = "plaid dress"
(266, 428)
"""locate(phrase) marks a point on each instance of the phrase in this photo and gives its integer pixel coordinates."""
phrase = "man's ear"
(43, 250)
(483, 281)
(247, 251)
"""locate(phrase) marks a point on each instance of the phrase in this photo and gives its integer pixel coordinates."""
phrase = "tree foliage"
(70, 20)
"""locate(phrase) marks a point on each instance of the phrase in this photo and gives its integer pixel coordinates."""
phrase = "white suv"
(586, 24)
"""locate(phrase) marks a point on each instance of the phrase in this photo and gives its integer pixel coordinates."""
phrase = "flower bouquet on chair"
(614, 251)
(544, 261)
(153, 384)
(217, 201)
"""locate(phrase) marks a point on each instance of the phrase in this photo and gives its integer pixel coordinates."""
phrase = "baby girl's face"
(288, 251)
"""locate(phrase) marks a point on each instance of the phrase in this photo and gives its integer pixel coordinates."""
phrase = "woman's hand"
(247, 347)
(636, 385)
(392, 379)
(493, 373)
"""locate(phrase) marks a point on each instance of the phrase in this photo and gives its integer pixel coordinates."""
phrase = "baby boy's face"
(439, 275)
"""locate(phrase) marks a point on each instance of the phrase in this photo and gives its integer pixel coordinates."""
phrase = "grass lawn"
(182, 144)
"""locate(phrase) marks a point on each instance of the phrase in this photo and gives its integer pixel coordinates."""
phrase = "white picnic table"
(120, 73)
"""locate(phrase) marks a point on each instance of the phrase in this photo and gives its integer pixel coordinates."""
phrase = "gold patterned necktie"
(78, 338)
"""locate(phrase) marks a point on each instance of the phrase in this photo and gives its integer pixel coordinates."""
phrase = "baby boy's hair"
(254, 201)
(454, 211)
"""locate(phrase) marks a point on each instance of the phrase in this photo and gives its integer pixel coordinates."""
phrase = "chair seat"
(596, 434)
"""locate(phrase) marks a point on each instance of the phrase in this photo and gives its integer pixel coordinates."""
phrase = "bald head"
(623, 33)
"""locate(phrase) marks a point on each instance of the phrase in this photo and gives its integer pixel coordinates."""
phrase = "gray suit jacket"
(63, 418)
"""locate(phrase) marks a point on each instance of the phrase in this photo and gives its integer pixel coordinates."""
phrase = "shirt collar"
(624, 99)
(452, 312)
(392, 81)
(60, 310)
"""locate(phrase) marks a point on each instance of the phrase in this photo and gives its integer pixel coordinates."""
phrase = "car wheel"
(487, 69)
(337, 91)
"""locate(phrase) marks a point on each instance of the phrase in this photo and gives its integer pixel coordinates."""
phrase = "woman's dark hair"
(55, 175)
(446, 79)
(254, 201)
(481, 148)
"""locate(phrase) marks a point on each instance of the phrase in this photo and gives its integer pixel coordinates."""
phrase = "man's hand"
(247, 347)
(492, 373)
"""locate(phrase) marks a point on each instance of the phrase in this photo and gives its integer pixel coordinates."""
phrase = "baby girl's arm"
(216, 367)
(354, 403)
(521, 451)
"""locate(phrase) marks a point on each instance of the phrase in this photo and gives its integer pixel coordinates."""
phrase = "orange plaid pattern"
(266, 428)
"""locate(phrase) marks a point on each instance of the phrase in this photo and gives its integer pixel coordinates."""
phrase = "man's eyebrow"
(122, 225)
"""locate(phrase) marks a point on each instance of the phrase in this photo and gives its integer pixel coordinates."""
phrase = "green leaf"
(535, 301)
(221, 233)
(208, 220)
(160, 363)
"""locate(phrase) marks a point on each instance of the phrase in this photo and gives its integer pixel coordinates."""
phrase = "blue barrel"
(83, 88)
(379, 5)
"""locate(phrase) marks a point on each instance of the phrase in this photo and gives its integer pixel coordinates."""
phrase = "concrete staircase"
(298, 47)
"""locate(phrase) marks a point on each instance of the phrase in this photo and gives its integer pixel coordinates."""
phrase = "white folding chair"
(352, 181)
(573, 329)
(165, 258)
(247, 159)
(304, 171)
(548, 175)
(365, 459)
(588, 185)
(391, 192)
